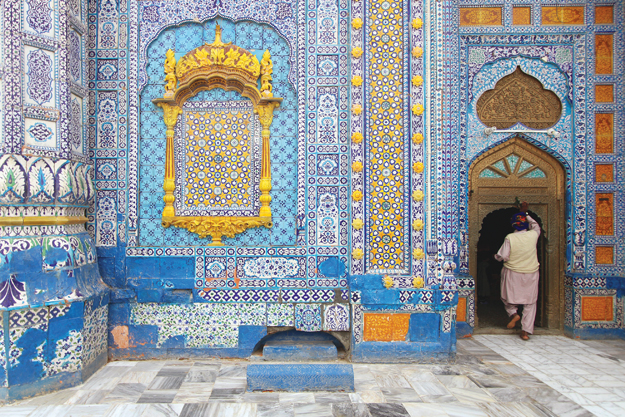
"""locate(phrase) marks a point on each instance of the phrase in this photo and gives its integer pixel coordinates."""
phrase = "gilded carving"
(266, 69)
(217, 227)
(519, 98)
(170, 76)
(225, 59)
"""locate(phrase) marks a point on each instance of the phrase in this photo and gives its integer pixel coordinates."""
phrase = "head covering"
(519, 221)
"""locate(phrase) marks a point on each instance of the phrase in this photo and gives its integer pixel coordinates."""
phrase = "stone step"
(298, 377)
(299, 350)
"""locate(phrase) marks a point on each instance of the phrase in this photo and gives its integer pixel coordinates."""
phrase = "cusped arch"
(232, 68)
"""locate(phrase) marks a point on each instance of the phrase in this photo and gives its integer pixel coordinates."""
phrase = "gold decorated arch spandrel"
(232, 68)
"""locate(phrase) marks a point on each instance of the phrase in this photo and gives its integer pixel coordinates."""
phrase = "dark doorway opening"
(490, 308)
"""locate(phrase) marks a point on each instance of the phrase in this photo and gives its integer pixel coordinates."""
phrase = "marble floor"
(494, 375)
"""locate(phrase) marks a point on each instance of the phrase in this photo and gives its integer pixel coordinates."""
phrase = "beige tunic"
(518, 287)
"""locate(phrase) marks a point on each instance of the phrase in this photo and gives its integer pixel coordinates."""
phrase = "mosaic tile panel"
(521, 15)
(604, 15)
(336, 317)
(308, 317)
(604, 173)
(280, 314)
(220, 150)
(384, 327)
(604, 93)
(599, 305)
(202, 325)
(596, 308)
(604, 132)
(387, 185)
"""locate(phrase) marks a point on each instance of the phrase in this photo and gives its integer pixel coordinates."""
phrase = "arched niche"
(209, 179)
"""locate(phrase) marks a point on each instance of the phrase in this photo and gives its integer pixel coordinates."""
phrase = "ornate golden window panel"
(216, 142)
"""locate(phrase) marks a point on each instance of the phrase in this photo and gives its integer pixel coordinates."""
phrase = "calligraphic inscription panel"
(604, 173)
(480, 16)
(597, 308)
(563, 15)
(604, 255)
(219, 148)
(382, 327)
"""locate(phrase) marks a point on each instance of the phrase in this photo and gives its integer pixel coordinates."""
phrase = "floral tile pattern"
(201, 324)
(308, 317)
(336, 317)
(280, 315)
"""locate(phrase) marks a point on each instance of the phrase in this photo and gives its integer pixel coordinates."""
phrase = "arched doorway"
(512, 172)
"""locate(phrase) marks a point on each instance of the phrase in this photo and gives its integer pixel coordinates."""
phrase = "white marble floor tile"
(372, 396)
(472, 395)
(599, 411)
(126, 410)
(23, 411)
(138, 377)
(297, 397)
(463, 410)
(425, 410)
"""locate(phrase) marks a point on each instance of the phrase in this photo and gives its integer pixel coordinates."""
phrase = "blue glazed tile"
(308, 317)
(249, 35)
(152, 125)
(188, 37)
(275, 43)
(228, 31)
(152, 91)
(157, 49)
(155, 72)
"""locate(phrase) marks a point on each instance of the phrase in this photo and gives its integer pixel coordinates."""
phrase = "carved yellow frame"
(231, 68)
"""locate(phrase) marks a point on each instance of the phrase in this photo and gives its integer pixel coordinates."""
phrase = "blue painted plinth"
(292, 377)
(284, 350)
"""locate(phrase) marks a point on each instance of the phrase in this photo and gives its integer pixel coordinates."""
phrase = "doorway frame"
(556, 249)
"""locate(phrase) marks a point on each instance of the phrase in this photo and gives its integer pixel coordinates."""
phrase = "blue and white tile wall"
(76, 86)
(563, 59)
(54, 304)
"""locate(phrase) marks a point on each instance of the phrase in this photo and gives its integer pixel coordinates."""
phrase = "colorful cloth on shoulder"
(519, 221)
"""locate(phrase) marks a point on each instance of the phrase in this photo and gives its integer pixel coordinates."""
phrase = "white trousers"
(529, 315)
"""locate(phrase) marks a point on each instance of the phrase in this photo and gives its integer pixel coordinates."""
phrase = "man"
(519, 275)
